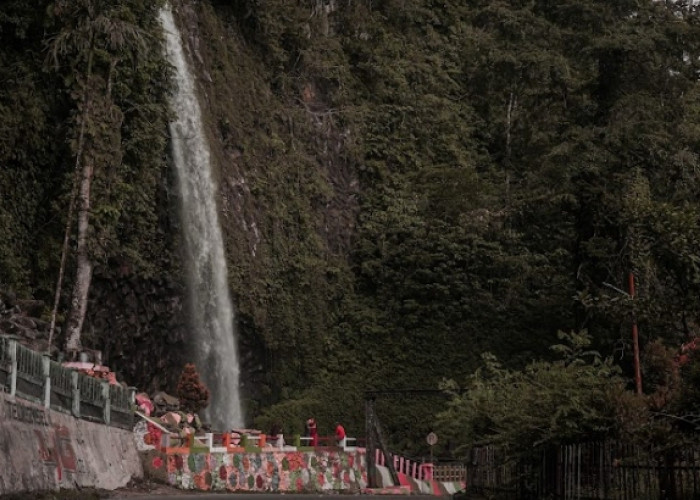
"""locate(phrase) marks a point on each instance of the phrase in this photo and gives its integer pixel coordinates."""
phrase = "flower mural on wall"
(272, 471)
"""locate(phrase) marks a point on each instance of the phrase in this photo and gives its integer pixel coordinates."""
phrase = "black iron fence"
(33, 376)
(594, 470)
(449, 472)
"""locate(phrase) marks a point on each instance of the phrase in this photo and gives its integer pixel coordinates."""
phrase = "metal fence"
(5, 362)
(32, 376)
(449, 472)
(594, 470)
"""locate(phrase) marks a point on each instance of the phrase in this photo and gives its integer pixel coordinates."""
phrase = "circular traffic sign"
(431, 438)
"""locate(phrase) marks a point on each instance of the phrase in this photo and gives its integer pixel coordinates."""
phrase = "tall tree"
(634, 165)
(94, 37)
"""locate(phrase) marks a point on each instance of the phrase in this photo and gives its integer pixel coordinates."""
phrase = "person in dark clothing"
(276, 437)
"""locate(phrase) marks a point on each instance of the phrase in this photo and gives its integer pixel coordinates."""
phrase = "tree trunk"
(83, 273)
(512, 105)
(66, 236)
(64, 252)
(71, 207)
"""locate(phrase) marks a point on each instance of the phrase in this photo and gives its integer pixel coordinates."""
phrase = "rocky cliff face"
(140, 326)
(287, 191)
(136, 325)
(287, 195)
(23, 319)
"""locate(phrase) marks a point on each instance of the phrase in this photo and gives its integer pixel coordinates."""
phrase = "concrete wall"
(272, 471)
(44, 449)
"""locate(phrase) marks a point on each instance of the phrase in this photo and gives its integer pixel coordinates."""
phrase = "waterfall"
(211, 312)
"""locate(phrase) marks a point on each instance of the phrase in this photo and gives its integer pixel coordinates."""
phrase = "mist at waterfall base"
(211, 312)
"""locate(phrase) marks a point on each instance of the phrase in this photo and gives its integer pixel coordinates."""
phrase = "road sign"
(431, 438)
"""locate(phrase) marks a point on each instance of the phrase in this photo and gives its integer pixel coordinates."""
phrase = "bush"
(193, 394)
(545, 403)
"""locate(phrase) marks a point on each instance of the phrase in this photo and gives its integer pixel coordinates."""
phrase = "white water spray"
(212, 317)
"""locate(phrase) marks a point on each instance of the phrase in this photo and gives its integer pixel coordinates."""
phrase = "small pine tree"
(193, 394)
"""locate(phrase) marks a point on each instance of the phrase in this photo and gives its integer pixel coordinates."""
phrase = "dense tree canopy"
(405, 185)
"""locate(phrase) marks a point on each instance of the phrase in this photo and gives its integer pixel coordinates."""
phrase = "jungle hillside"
(450, 195)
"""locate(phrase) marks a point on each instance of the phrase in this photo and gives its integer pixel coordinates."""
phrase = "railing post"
(46, 364)
(107, 408)
(75, 389)
(132, 394)
(427, 471)
(13, 367)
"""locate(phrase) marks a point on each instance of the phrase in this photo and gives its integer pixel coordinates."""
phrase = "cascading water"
(209, 300)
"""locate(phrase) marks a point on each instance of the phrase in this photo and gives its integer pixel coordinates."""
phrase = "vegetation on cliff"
(404, 186)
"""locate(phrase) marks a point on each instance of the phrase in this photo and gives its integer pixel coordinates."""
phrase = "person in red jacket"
(340, 435)
(313, 431)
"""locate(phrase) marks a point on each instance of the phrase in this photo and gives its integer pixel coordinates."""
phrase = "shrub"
(193, 394)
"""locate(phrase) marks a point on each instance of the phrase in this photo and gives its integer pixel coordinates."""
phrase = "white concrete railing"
(350, 442)
(226, 442)
(33, 376)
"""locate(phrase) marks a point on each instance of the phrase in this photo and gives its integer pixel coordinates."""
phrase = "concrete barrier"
(32, 376)
(413, 485)
(43, 449)
(320, 471)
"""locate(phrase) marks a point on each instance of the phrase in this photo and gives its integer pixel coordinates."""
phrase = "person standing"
(276, 438)
(340, 438)
(313, 431)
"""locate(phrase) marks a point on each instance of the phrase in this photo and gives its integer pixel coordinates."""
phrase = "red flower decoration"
(157, 463)
(200, 482)
(154, 435)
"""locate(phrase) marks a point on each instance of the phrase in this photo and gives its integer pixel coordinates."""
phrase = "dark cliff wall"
(287, 195)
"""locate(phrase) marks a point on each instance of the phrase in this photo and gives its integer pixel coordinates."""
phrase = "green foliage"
(403, 187)
(332, 397)
(36, 177)
(494, 145)
(117, 109)
(31, 114)
(547, 402)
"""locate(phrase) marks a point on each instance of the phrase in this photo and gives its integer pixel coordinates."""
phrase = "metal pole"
(635, 340)
(370, 445)
(12, 345)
